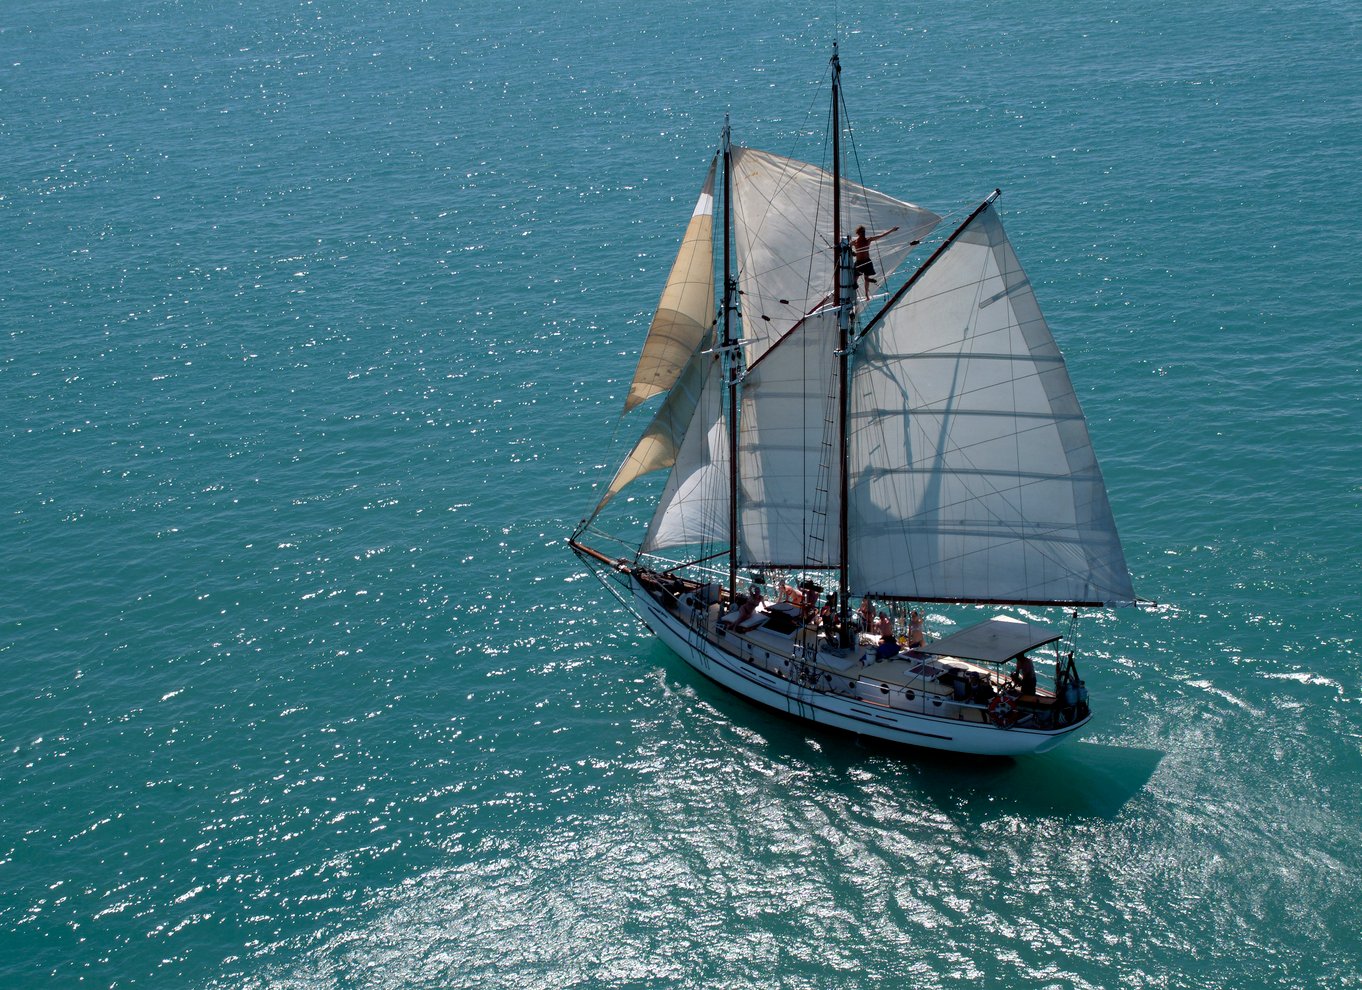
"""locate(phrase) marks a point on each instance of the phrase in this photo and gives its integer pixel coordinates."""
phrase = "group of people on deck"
(883, 626)
(801, 603)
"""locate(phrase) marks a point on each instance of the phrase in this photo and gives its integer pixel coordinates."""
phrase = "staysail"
(782, 217)
(686, 310)
(785, 449)
(693, 509)
(972, 474)
(665, 436)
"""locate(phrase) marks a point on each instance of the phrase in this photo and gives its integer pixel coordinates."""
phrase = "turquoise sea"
(315, 320)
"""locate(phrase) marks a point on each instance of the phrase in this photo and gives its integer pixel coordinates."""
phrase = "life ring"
(1003, 711)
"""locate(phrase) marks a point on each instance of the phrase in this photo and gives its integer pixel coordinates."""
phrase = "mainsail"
(972, 474)
(685, 311)
(783, 230)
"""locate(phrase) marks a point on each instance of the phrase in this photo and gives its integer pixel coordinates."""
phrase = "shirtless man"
(860, 247)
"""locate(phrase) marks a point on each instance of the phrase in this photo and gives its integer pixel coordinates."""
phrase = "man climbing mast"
(865, 268)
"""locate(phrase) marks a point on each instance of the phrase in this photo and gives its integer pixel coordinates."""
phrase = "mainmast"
(844, 305)
(730, 347)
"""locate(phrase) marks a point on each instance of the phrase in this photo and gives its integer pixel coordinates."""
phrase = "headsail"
(694, 505)
(972, 474)
(686, 310)
(782, 212)
(663, 439)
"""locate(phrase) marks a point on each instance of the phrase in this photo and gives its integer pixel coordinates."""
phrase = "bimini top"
(995, 641)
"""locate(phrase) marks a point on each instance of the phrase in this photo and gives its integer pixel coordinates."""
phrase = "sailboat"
(912, 450)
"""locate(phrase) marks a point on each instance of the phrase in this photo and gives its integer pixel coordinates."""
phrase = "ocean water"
(315, 320)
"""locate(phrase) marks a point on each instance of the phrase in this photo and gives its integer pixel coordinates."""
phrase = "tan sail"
(686, 310)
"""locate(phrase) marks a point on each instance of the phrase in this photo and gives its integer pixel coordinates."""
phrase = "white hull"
(948, 731)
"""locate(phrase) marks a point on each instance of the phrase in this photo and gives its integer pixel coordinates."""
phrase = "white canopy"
(995, 641)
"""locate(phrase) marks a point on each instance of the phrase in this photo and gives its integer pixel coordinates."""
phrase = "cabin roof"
(995, 641)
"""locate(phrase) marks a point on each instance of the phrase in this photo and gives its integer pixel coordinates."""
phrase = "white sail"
(662, 440)
(686, 310)
(782, 230)
(972, 475)
(787, 449)
(694, 504)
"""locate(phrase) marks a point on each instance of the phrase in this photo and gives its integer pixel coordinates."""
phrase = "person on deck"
(888, 648)
(860, 247)
(884, 626)
(1026, 675)
(746, 611)
(867, 614)
(916, 637)
(828, 608)
(828, 619)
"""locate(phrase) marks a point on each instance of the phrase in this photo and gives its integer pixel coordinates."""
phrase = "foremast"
(732, 350)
